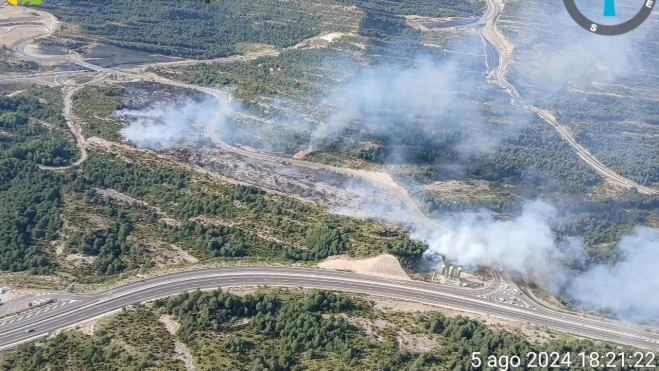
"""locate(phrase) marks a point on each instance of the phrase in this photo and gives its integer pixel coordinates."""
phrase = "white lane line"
(28, 316)
(47, 309)
(12, 320)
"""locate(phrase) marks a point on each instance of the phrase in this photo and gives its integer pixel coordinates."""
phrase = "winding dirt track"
(489, 35)
(77, 135)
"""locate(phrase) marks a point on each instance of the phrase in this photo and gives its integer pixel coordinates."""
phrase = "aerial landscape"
(329, 185)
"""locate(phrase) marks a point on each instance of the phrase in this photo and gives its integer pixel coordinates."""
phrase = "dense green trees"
(163, 187)
(197, 30)
(296, 73)
(214, 240)
(110, 246)
(429, 8)
(29, 215)
(539, 157)
(325, 241)
(190, 29)
(34, 141)
(30, 198)
(296, 325)
(466, 336)
(214, 310)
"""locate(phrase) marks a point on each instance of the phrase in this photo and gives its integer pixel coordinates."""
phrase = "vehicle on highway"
(29, 330)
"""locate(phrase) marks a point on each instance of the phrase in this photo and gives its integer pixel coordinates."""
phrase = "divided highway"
(91, 306)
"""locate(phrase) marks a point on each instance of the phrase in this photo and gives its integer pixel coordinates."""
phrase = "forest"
(31, 133)
(29, 215)
(281, 330)
(190, 29)
(428, 8)
(37, 203)
(289, 230)
(193, 29)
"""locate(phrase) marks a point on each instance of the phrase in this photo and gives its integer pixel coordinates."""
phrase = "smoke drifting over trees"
(433, 94)
(163, 125)
(628, 288)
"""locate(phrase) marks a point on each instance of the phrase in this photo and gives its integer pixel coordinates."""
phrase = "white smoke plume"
(524, 245)
(163, 125)
(424, 94)
(423, 89)
(629, 288)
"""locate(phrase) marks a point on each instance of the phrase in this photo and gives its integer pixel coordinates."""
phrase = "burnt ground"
(341, 193)
(140, 95)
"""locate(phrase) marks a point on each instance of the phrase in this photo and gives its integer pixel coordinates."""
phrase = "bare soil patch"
(385, 266)
(166, 254)
(184, 355)
(321, 41)
(396, 305)
(170, 323)
(414, 343)
(79, 259)
(89, 327)
(24, 24)
(456, 185)
(111, 193)
(22, 33)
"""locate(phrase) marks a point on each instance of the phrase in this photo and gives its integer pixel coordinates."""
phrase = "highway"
(94, 305)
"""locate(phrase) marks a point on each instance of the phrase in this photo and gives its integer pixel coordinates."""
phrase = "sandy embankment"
(385, 266)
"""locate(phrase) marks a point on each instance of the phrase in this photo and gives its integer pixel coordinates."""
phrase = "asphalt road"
(90, 306)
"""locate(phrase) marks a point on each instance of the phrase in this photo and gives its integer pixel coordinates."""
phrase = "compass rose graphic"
(610, 11)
